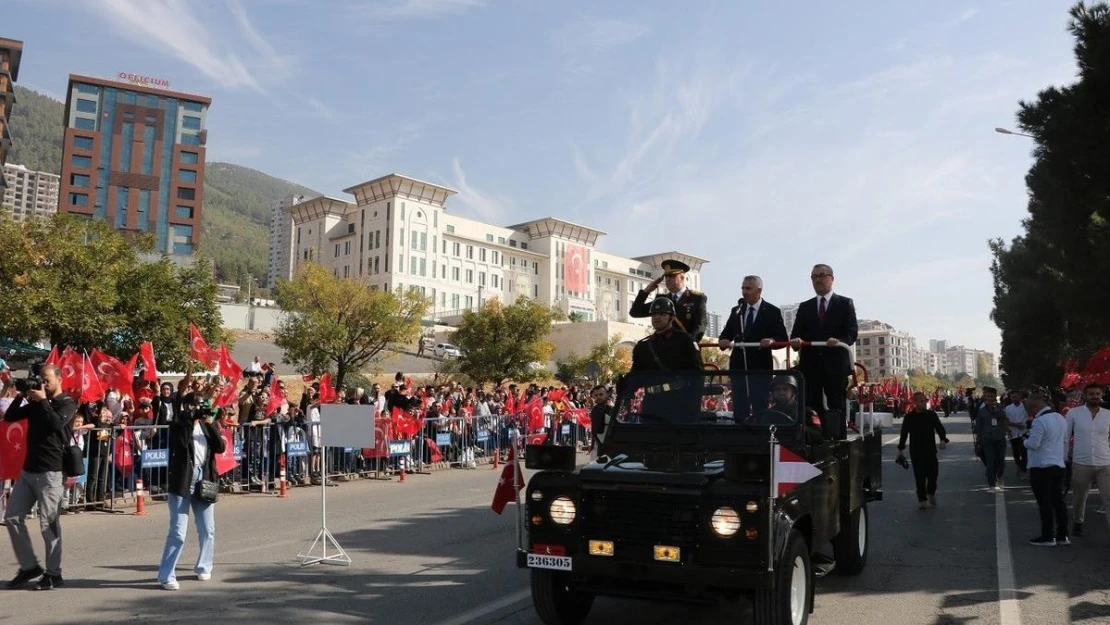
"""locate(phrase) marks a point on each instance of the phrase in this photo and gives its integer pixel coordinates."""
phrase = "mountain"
(235, 218)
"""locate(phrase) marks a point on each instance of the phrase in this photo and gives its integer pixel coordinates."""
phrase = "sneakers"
(1077, 529)
(1063, 541)
(922, 505)
(1043, 542)
(933, 500)
(50, 582)
(22, 577)
(204, 577)
(170, 585)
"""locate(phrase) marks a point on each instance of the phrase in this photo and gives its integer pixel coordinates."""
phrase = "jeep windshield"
(723, 398)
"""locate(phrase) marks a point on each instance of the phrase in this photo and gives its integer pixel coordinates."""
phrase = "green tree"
(1050, 293)
(571, 369)
(501, 342)
(76, 282)
(335, 322)
(612, 358)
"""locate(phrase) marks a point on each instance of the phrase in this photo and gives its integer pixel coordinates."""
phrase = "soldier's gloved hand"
(724, 343)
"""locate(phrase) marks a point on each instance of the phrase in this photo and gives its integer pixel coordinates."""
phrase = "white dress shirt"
(1048, 441)
(1016, 415)
(1092, 436)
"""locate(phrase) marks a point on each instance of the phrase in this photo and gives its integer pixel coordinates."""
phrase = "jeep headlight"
(725, 522)
(562, 510)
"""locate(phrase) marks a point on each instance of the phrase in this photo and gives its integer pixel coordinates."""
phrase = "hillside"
(235, 218)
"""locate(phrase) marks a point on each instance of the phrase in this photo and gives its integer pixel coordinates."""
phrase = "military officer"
(658, 362)
(689, 304)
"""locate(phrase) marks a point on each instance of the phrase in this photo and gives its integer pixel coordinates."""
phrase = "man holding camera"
(48, 413)
(923, 428)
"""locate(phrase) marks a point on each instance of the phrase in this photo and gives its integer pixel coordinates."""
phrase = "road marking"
(1009, 610)
(486, 610)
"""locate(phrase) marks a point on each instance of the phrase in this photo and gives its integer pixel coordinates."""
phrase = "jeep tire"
(556, 602)
(789, 600)
(851, 545)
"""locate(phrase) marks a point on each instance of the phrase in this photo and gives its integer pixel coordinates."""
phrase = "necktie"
(821, 311)
(750, 319)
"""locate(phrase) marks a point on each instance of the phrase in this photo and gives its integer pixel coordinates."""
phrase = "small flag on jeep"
(791, 471)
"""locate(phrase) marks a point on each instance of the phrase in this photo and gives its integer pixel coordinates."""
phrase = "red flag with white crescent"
(577, 268)
(277, 395)
(534, 410)
(146, 353)
(91, 387)
(54, 358)
(226, 461)
(327, 391)
(71, 373)
(200, 351)
(791, 471)
(13, 448)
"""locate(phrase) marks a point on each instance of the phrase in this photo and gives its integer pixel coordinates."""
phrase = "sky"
(764, 137)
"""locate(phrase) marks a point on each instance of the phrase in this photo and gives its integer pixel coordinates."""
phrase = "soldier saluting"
(689, 304)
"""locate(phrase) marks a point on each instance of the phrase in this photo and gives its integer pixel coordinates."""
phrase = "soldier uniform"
(690, 304)
(660, 359)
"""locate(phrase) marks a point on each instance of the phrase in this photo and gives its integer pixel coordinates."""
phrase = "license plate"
(557, 563)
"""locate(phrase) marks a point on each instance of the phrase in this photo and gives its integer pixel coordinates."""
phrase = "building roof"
(395, 184)
(15, 52)
(127, 86)
(319, 206)
(552, 226)
(655, 260)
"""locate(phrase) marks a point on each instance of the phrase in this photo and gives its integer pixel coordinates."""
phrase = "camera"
(902, 462)
(33, 381)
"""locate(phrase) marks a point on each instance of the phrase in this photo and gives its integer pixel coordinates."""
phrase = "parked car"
(447, 350)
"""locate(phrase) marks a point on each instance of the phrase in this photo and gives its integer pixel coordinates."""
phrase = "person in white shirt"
(1018, 417)
(1047, 446)
(1089, 424)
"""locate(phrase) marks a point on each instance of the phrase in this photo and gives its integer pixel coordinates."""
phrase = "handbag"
(206, 491)
(73, 457)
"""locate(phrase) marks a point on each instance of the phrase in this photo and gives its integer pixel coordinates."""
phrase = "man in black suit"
(828, 319)
(752, 320)
(689, 304)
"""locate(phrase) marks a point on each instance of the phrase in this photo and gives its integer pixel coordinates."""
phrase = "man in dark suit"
(752, 321)
(828, 319)
(689, 304)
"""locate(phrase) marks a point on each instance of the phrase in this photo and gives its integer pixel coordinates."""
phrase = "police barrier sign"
(483, 436)
(296, 449)
(156, 458)
(443, 439)
(237, 451)
(400, 448)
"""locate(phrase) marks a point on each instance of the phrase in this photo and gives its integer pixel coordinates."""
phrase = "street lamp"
(1005, 131)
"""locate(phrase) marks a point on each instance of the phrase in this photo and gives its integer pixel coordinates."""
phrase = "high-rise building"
(281, 239)
(712, 325)
(938, 346)
(885, 352)
(398, 234)
(29, 193)
(962, 360)
(133, 155)
(11, 53)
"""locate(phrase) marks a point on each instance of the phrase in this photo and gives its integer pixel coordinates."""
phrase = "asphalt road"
(430, 552)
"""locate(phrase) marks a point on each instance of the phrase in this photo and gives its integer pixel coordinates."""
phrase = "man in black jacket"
(828, 320)
(47, 414)
(923, 427)
(689, 304)
(753, 320)
(660, 359)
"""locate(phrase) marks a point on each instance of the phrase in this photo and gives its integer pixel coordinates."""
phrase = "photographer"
(923, 428)
(195, 441)
(48, 414)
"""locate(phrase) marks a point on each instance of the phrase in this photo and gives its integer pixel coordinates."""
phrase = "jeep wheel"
(850, 546)
(788, 602)
(556, 602)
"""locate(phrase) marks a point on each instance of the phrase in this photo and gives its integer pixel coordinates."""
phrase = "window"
(496, 257)
(482, 254)
(378, 239)
(470, 276)
(536, 291)
(455, 300)
(412, 265)
(195, 107)
(415, 240)
(186, 194)
(424, 242)
(83, 143)
(882, 340)
(424, 268)
(346, 271)
(865, 342)
(882, 362)
(336, 250)
(85, 123)
(189, 158)
(489, 237)
(184, 212)
(83, 88)
(443, 272)
(470, 301)
(377, 265)
(187, 175)
(401, 239)
(400, 263)
(347, 248)
(402, 211)
(494, 281)
(79, 199)
(470, 252)
(455, 274)
(501, 240)
(86, 106)
(482, 278)
(535, 268)
(523, 245)
(882, 351)
(189, 122)
(188, 139)
(450, 229)
(79, 180)
(512, 243)
(81, 162)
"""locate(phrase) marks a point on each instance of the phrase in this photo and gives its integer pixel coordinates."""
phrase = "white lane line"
(486, 610)
(1009, 610)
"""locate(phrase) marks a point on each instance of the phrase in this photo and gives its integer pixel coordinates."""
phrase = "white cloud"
(586, 42)
(172, 26)
(488, 208)
(323, 111)
(964, 16)
(580, 164)
(418, 9)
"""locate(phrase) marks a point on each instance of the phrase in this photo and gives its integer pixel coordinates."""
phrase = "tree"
(76, 282)
(500, 342)
(612, 358)
(334, 322)
(572, 369)
(1050, 297)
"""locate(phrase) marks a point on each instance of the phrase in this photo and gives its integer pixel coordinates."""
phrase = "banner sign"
(400, 448)
(296, 449)
(443, 439)
(156, 458)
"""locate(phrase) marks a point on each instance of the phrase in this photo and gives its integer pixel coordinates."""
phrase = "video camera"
(33, 381)
(902, 462)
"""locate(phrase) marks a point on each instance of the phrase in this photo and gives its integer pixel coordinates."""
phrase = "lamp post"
(1006, 131)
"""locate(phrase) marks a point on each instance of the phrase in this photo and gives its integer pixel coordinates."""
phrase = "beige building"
(281, 239)
(29, 193)
(397, 233)
(885, 351)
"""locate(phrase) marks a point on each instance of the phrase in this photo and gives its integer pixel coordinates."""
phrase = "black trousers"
(1048, 488)
(759, 396)
(926, 469)
(822, 387)
(1020, 453)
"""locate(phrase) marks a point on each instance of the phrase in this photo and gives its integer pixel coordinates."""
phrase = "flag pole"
(771, 504)
(516, 496)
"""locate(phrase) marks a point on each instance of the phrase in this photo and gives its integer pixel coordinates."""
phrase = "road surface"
(430, 552)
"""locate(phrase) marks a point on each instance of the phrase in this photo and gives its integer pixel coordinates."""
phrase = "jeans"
(1048, 488)
(205, 515)
(47, 489)
(925, 471)
(994, 455)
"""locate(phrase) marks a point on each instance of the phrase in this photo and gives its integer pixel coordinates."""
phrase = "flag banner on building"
(576, 264)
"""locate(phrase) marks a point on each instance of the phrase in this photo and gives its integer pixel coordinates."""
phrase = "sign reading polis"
(146, 81)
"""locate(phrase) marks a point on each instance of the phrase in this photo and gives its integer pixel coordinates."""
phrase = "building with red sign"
(134, 157)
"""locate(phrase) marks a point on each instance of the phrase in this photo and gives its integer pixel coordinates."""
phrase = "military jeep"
(686, 502)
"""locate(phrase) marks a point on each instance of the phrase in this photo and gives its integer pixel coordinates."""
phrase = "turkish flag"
(146, 353)
(199, 349)
(508, 487)
(308, 378)
(382, 430)
(125, 460)
(91, 388)
(277, 395)
(13, 449)
(557, 394)
(404, 425)
(577, 269)
(54, 358)
(509, 404)
(226, 461)
(534, 410)
(327, 392)
(72, 365)
(111, 372)
(227, 366)
(791, 471)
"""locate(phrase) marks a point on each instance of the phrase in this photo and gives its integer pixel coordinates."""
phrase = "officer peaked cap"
(673, 267)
